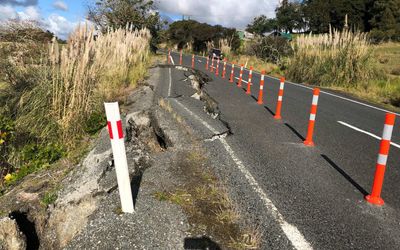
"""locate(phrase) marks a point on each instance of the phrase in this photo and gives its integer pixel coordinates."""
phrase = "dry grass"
(257, 63)
(225, 47)
(89, 70)
(388, 56)
(207, 204)
(339, 58)
(167, 106)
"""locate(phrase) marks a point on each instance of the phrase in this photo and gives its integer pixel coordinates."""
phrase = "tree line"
(379, 17)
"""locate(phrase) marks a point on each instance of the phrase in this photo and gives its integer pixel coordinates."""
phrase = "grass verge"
(207, 204)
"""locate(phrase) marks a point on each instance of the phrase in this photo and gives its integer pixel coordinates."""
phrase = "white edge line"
(367, 133)
(291, 232)
(170, 83)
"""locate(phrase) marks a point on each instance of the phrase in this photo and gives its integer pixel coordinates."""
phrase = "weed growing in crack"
(207, 203)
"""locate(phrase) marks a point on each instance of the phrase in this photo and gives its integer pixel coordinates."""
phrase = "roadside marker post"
(224, 69)
(169, 57)
(180, 58)
(260, 94)
(217, 68)
(248, 91)
(208, 61)
(232, 73)
(375, 196)
(313, 113)
(193, 61)
(280, 98)
(212, 64)
(240, 76)
(115, 131)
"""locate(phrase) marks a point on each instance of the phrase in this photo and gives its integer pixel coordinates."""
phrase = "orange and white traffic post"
(232, 78)
(208, 61)
(224, 69)
(240, 76)
(115, 131)
(375, 196)
(260, 94)
(212, 65)
(217, 68)
(180, 58)
(248, 91)
(280, 98)
(313, 113)
(169, 57)
(193, 61)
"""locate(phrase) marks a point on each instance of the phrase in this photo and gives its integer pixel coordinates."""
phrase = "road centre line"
(291, 232)
(367, 133)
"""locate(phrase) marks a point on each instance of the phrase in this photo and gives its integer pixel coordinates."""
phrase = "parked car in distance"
(215, 53)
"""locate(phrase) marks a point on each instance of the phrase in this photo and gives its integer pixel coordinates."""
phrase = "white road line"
(291, 232)
(170, 83)
(242, 80)
(367, 133)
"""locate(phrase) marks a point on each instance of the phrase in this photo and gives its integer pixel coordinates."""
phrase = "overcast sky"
(62, 16)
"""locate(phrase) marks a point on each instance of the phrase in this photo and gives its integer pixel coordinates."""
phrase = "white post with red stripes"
(375, 196)
(193, 61)
(240, 76)
(248, 91)
(278, 115)
(114, 125)
(180, 58)
(212, 64)
(217, 67)
(208, 61)
(260, 94)
(313, 113)
(169, 56)
(224, 69)
(232, 73)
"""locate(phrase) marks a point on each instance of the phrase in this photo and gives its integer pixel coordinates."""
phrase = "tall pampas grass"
(79, 76)
(339, 58)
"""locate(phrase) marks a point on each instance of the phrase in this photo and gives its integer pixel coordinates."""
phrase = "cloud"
(30, 13)
(60, 26)
(60, 5)
(19, 2)
(229, 13)
(7, 12)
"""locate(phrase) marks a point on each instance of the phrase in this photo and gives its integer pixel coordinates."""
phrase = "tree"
(319, 14)
(198, 34)
(385, 21)
(261, 24)
(120, 13)
(289, 16)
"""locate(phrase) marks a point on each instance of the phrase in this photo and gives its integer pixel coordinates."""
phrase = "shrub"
(395, 71)
(7, 129)
(338, 58)
(270, 49)
(95, 122)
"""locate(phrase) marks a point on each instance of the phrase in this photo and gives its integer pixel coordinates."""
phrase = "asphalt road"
(319, 190)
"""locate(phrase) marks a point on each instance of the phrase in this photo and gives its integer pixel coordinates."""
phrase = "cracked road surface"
(299, 197)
